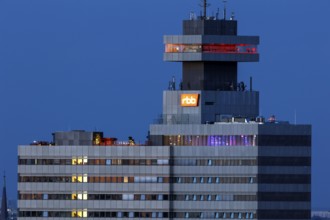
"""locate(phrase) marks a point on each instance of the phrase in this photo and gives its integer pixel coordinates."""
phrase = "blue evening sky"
(97, 65)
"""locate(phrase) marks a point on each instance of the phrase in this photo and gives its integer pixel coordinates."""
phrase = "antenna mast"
(204, 4)
(225, 10)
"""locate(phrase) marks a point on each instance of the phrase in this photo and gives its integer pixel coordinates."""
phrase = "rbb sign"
(189, 100)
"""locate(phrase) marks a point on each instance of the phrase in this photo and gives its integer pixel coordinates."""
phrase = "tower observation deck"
(210, 50)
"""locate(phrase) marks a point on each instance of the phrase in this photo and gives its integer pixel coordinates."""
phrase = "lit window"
(74, 196)
(85, 178)
(125, 179)
(85, 160)
(81, 196)
(74, 179)
(74, 161)
(85, 213)
(74, 214)
(80, 161)
(79, 179)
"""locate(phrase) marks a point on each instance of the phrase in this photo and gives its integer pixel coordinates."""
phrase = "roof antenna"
(232, 17)
(4, 178)
(225, 10)
(204, 4)
(217, 15)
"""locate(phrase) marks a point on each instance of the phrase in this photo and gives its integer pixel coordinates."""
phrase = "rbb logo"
(189, 100)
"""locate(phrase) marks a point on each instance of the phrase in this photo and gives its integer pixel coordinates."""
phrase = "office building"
(209, 156)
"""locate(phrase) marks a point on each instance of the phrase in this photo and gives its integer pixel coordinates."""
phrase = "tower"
(4, 210)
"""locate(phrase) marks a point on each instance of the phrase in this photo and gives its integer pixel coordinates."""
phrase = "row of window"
(264, 178)
(210, 48)
(262, 161)
(152, 162)
(138, 197)
(137, 179)
(210, 140)
(88, 214)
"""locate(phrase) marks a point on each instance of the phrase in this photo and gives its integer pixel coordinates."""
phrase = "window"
(202, 180)
(209, 180)
(125, 179)
(217, 180)
(194, 180)
(81, 196)
(218, 198)
(108, 162)
(85, 178)
(201, 197)
(74, 161)
(143, 197)
(45, 197)
(186, 215)
(209, 198)
(160, 197)
(160, 179)
(162, 162)
(209, 162)
(45, 214)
